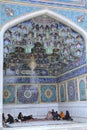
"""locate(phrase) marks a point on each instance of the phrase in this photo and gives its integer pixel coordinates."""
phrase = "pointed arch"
(27, 17)
(50, 13)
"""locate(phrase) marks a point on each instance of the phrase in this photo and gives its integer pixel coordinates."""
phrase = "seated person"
(24, 118)
(67, 116)
(62, 115)
(49, 115)
(56, 116)
(52, 111)
(10, 119)
(3, 118)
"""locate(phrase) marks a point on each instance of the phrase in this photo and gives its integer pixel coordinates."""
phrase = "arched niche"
(27, 17)
(82, 90)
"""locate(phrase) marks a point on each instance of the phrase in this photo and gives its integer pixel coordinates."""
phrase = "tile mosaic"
(63, 92)
(72, 74)
(78, 3)
(18, 11)
(27, 94)
(82, 90)
(23, 80)
(72, 90)
(9, 94)
(48, 93)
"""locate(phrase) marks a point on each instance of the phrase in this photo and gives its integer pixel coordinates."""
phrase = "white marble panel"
(78, 110)
(74, 126)
(37, 110)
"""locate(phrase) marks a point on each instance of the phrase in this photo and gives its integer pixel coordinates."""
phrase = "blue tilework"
(9, 94)
(27, 94)
(69, 13)
(62, 93)
(69, 3)
(48, 93)
(72, 90)
(0, 13)
(72, 74)
(20, 10)
(82, 90)
(28, 80)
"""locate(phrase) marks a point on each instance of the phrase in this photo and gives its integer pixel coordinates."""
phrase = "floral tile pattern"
(72, 90)
(48, 93)
(82, 89)
(27, 94)
(9, 94)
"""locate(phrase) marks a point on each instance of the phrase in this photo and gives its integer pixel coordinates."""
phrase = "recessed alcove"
(42, 55)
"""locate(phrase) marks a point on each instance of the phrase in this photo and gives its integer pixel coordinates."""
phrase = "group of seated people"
(55, 116)
(10, 118)
(51, 115)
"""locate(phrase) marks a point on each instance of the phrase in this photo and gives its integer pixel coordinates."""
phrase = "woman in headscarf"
(24, 118)
(10, 119)
(67, 116)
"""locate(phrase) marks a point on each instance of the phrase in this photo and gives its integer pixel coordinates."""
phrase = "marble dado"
(43, 109)
(51, 127)
(30, 109)
(77, 110)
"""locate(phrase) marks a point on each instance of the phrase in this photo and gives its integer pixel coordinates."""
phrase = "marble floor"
(47, 125)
